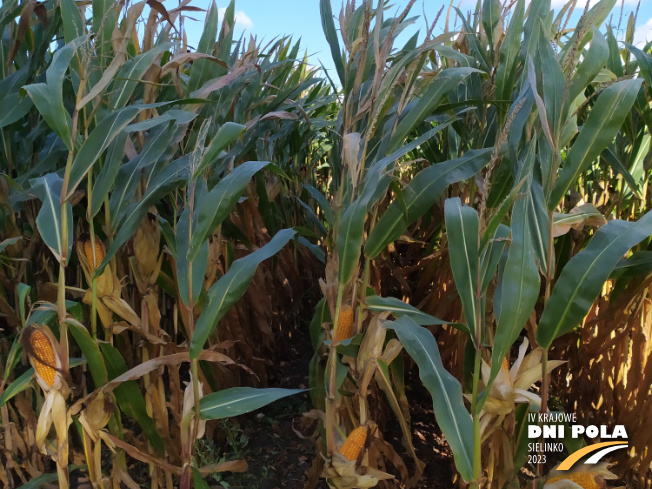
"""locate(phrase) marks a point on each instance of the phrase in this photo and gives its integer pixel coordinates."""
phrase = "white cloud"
(241, 19)
(643, 33)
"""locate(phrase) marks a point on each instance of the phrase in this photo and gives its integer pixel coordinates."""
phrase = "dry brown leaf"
(184, 58)
(231, 466)
(279, 114)
(218, 83)
(173, 359)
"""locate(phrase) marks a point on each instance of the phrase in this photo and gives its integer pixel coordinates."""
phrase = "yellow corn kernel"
(584, 479)
(43, 356)
(505, 366)
(344, 328)
(354, 443)
(99, 253)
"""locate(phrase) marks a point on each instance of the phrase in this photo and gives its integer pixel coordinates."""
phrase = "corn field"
(454, 223)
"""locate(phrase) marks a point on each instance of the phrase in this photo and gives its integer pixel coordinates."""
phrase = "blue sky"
(267, 19)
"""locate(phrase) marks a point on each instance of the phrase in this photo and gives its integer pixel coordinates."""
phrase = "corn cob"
(344, 328)
(505, 366)
(584, 479)
(354, 443)
(43, 356)
(99, 252)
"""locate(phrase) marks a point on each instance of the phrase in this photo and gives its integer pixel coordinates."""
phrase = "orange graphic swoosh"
(571, 459)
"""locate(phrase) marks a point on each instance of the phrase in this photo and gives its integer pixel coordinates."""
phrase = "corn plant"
(138, 146)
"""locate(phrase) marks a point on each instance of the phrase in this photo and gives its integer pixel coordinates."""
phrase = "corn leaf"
(492, 254)
(462, 231)
(129, 75)
(184, 264)
(48, 97)
(399, 308)
(519, 288)
(508, 54)
(204, 69)
(582, 278)
(126, 181)
(17, 386)
(422, 192)
(73, 23)
(601, 127)
(231, 286)
(48, 189)
(452, 417)
(445, 82)
(167, 180)
(97, 142)
(240, 400)
(13, 107)
(91, 352)
(226, 135)
(590, 66)
(331, 36)
(220, 201)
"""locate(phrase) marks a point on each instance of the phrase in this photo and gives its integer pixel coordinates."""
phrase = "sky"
(268, 19)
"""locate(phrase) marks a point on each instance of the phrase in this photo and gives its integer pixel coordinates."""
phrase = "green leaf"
(602, 125)
(165, 181)
(226, 135)
(40, 481)
(644, 64)
(452, 417)
(322, 202)
(231, 286)
(490, 17)
(73, 23)
(399, 308)
(583, 277)
(520, 286)
(104, 21)
(539, 223)
(462, 225)
(23, 290)
(637, 265)
(553, 81)
(13, 107)
(590, 66)
(198, 261)
(492, 254)
(48, 189)
(445, 82)
(107, 176)
(240, 400)
(130, 73)
(422, 192)
(129, 174)
(204, 69)
(97, 141)
(198, 480)
(48, 97)
(9, 242)
(91, 352)
(219, 203)
(506, 71)
(610, 157)
(17, 386)
(331, 36)
(349, 239)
